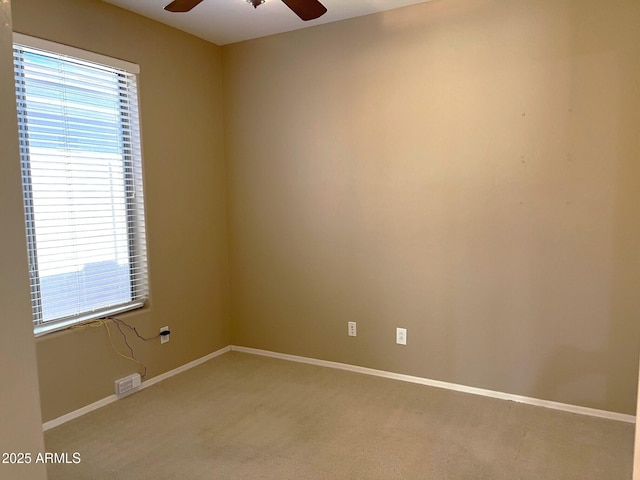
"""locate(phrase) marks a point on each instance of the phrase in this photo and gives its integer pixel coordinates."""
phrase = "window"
(82, 183)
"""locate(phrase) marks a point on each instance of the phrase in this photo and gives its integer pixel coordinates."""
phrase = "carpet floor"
(241, 416)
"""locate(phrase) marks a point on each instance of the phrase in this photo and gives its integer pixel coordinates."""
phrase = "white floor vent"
(127, 385)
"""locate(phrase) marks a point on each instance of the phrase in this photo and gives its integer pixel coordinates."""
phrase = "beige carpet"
(240, 416)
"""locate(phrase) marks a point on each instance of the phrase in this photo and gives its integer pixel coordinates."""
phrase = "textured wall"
(20, 420)
(467, 169)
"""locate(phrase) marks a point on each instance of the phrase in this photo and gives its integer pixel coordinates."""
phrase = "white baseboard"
(147, 383)
(621, 417)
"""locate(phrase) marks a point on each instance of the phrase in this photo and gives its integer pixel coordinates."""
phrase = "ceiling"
(230, 21)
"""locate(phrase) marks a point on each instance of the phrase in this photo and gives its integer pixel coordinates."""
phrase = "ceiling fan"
(305, 9)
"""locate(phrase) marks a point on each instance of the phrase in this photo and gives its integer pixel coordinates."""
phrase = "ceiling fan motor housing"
(255, 3)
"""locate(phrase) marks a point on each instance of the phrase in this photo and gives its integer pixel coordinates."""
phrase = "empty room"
(319, 239)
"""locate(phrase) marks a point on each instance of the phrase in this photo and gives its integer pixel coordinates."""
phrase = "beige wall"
(466, 169)
(180, 94)
(20, 420)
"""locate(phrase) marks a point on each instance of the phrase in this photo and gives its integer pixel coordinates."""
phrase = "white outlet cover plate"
(352, 329)
(164, 338)
(401, 336)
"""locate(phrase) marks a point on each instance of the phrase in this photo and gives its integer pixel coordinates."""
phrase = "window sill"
(63, 324)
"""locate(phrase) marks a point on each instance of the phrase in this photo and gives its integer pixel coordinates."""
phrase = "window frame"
(135, 207)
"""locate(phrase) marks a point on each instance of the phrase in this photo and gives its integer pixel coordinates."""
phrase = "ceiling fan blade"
(181, 5)
(306, 9)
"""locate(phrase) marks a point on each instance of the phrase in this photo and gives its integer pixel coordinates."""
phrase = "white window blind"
(82, 184)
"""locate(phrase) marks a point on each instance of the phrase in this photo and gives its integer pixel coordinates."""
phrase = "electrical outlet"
(352, 329)
(164, 338)
(401, 336)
